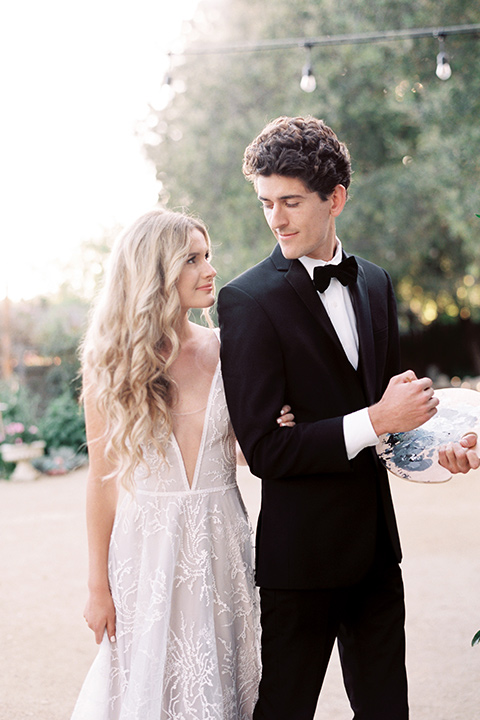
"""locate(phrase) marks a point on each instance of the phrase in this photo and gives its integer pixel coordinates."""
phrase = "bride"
(171, 590)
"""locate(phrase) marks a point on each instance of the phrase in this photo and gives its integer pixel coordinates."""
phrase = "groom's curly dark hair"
(301, 147)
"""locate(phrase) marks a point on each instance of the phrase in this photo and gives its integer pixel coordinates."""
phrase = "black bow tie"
(346, 272)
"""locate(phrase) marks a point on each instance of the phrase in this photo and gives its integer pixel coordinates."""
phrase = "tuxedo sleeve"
(254, 377)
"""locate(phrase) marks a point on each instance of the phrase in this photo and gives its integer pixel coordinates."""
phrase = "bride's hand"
(100, 615)
(287, 418)
(460, 457)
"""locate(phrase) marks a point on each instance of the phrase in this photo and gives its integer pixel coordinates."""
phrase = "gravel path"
(46, 647)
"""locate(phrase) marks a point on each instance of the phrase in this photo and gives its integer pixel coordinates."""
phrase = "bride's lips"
(208, 288)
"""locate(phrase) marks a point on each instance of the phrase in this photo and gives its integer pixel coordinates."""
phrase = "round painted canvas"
(413, 455)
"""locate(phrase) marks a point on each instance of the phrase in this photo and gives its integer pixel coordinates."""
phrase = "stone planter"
(22, 454)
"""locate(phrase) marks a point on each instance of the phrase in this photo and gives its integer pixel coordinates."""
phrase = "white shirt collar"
(311, 263)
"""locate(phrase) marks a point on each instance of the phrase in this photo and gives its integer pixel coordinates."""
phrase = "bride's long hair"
(132, 341)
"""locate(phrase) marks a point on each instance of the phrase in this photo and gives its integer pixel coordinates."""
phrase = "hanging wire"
(308, 82)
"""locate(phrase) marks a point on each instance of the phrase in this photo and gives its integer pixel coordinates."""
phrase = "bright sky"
(76, 79)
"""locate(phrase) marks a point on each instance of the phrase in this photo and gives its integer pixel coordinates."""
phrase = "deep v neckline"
(176, 444)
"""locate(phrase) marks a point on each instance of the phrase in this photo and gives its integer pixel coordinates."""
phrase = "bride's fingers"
(287, 420)
(455, 458)
(469, 440)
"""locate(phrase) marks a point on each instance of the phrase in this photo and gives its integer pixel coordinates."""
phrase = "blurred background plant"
(16, 433)
(63, 423)
(59, 460)
(40, 385)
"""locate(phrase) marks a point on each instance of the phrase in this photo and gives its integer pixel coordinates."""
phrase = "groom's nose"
(274, 216)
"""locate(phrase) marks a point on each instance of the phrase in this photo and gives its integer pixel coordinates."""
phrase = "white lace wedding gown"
(181, 575)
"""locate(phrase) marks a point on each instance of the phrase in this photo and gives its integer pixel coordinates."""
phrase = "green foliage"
(18, 405)
(63, 424)
(6, 469)
(59, 461)
(476, 639)
(58, 336)
(49, 330)
(414, 139)
(45, 336)
(16, 433)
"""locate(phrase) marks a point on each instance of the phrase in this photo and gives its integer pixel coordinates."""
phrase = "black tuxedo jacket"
(320, 512)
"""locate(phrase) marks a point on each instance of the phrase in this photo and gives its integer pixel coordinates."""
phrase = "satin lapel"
(299, 279)
(361, 306)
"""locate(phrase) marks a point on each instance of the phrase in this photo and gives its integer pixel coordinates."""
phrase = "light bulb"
(443, 71)
(308, 82)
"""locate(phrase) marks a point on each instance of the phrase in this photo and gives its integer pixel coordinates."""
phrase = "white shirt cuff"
(358, 432)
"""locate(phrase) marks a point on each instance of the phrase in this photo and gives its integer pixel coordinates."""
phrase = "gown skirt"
(181, 576)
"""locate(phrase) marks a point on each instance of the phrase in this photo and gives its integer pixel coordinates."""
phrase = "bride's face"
(195, 285)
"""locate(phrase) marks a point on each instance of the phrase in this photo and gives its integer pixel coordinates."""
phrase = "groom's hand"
(407, 403)
(460, 457)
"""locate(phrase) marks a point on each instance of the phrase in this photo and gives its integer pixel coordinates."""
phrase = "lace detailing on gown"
(181, 573)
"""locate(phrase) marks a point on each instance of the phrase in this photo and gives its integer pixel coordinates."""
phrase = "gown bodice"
(216, 462)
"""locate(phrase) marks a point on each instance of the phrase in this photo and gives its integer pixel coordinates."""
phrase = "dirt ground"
(46, 647)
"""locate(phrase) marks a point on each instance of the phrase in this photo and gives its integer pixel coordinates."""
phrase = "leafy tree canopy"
(414, 139)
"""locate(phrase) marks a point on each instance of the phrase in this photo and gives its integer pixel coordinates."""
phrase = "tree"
(414, 140)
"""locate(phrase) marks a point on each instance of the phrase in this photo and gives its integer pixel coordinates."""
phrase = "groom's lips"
(285, 236)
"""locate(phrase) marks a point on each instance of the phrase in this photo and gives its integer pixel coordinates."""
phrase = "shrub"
(19, 410)
(63, 424)
(59, 461)
(19, 404)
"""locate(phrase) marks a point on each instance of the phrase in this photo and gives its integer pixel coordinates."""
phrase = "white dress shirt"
(358, 431)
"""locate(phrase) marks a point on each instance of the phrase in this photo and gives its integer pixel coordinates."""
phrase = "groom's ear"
(338, 199)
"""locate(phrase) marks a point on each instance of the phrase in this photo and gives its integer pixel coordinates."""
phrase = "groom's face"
(301, 221)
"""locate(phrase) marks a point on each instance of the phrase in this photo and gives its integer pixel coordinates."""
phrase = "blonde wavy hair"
(132, 340)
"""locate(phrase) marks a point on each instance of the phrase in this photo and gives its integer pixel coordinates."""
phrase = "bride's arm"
(102, 496)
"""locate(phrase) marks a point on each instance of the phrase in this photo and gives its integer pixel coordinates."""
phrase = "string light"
(167, 78)
(308, 83)
(443, 71)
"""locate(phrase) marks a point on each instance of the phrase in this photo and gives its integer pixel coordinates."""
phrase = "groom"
(315, 328)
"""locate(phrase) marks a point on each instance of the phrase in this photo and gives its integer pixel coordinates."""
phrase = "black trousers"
(299, 629)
